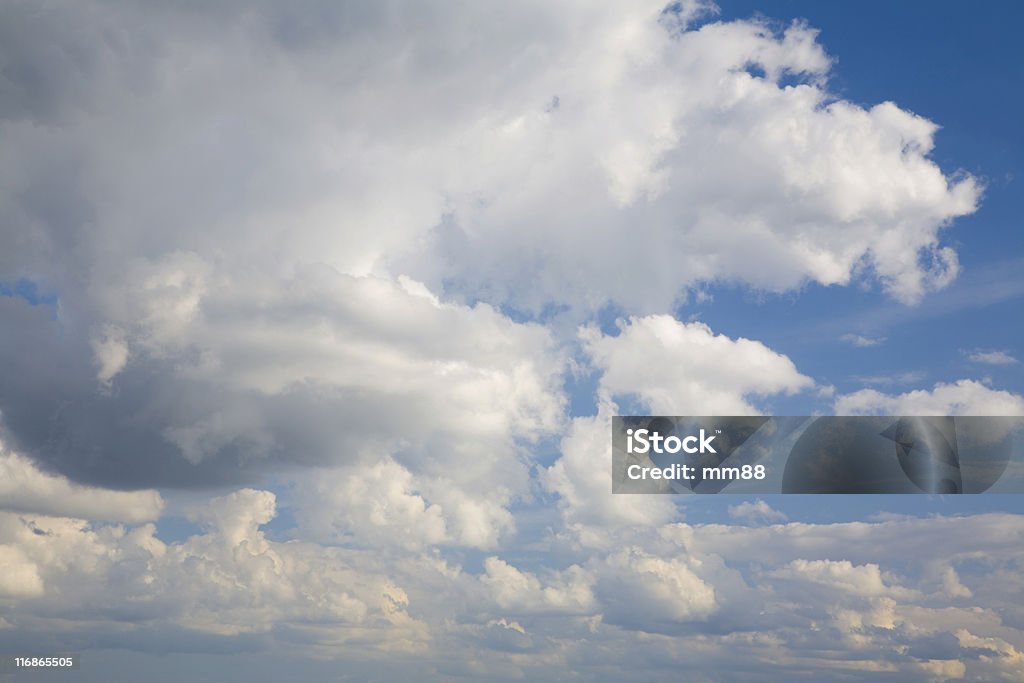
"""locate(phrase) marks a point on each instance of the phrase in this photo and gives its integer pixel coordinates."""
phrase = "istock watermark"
(646, 440)
(809, 454)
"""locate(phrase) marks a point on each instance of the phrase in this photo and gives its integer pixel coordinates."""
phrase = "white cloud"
(229, 581)
(522, 592)
(678, 368)
(756, 511)
(665, 158)
(863, 580)
(378, 503)
(952, 586)
(111, 354)
(262, 278)
(891, 540)
(302, 241)
(710, 597)
(643, 591)
(861, 341)
(25, 488)
(714, 175)
(1001, 659)
(673, 368)
(964, 397)
(385, 504)
(20, 577)
(944, 669)
(582, 478)
(991, 357)
(465, 370)
(911, 377)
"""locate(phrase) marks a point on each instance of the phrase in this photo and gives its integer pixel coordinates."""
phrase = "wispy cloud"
(862, 341)
(990, 357)
(995, 284)
(896, 378)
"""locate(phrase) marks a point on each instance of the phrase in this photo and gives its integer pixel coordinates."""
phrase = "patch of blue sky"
(28, 290)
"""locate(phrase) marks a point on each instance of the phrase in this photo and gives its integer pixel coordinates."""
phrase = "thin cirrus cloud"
(862, 341)
(990, 357)
(910, 377)
(351, 252)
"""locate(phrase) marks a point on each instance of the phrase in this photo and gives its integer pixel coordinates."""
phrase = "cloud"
(676, 368)
(25, 488)
(756, 511)
(254, 258)
(322, 369)
(911, 377)
(582, 479)
(20, 577)
(861, 341)
(991, 357)
(229, 581)
(863, 580)
(964, 397)
(646, 592)
(764, 207)
(669, 368)
(830, 541)
(521, 592)
(710, 597)
(111, 354)
(350, 251)
(385, 504)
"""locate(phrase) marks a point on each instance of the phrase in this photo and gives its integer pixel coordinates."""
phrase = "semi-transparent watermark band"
(803, 454)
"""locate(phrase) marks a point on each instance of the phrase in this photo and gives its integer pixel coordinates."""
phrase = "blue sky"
(313, 319)
(956, 65)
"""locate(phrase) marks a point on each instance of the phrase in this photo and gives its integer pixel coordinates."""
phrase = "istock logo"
(648, 441)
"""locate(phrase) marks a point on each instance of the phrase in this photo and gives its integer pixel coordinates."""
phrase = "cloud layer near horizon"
(780, 599)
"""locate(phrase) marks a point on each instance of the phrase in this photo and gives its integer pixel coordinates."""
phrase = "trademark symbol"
(718, 431)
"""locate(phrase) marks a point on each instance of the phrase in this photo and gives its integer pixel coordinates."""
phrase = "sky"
(314, 317)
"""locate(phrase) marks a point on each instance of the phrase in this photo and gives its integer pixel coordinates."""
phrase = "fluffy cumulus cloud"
(756, 511)
(385, 504)
(522, 592)
(235, 273)
(353, 252)
(904, 595)
(229, 580)
(666, 367)
(677, 368)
